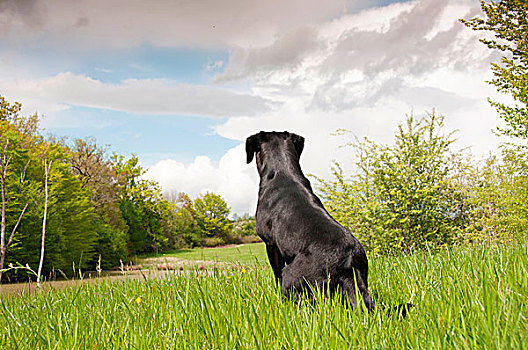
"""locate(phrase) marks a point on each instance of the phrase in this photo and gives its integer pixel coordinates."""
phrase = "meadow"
(245, 254)
(465, 297)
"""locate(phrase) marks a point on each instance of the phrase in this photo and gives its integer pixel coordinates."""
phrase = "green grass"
(465, 298)
(250, 254)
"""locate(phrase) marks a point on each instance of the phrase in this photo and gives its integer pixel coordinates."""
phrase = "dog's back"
(295, 226)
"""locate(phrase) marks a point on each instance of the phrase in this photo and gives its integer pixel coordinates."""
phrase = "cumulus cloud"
(416, 41)
(148, 96)
(359, 68)
(359, 58)
(236, 181)
(230, 177)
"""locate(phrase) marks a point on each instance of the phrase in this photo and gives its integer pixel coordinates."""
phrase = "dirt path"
(150, 268)
(31, 287)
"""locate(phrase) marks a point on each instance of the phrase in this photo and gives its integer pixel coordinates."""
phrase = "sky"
(182, 83)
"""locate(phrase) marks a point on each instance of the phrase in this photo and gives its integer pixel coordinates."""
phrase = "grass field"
(250, 254)
(464, 297)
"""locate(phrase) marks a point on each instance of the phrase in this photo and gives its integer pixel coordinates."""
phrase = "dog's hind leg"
(303, 276)
(349, 284)
(276, 261)
(362, 283)
(292, 279)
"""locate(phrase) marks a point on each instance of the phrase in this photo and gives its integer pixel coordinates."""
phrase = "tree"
(496, 198)
(26, 126)
(400, 197)
(508, 21)
(211, 212)
(244, 226)
(5, 159)
(184, 230)
(47, 167)
(91, 165)
(15, 139)
(142, 206)
(70, 234)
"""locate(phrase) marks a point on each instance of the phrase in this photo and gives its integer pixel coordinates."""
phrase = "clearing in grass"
(246, 254)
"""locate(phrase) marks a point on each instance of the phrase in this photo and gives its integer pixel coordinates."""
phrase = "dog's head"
(264, 140)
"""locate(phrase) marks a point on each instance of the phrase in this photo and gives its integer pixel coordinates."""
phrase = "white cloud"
(230, 177)
(148, 96)
(88, 24)
(363, 72)
(286, 53)
(360, 58)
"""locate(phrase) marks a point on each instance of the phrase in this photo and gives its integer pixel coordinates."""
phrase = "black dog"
(306, 247)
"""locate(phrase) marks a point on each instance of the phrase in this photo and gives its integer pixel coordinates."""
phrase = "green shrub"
(400, 197)
(497, 198)
(417, 193)
(243, 227)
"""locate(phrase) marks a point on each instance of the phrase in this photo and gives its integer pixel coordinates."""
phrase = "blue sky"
(182, 84)
(152, 137)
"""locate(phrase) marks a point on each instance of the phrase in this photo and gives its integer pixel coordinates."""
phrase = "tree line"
(88, 207)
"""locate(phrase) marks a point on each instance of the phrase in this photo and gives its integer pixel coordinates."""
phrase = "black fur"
(306, 247)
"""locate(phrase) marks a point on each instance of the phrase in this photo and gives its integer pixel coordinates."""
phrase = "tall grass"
(464, 297)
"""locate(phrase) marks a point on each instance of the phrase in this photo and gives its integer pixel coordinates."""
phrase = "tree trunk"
(3, 171)
(47, 168)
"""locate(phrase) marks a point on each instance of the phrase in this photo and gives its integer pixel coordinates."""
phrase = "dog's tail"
(356, 284)
(401, 310)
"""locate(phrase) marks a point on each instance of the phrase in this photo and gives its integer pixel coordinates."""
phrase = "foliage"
(244, 226)
(508, 22)
(418, 194)
(212, 212)
(496, 195)
(187, 232)
(466, 298)
(142, 206)
(26, 126)
(94, 169)
(101, 209)
(400, 197)
(70, 231)
(70, 224)
(19, 157)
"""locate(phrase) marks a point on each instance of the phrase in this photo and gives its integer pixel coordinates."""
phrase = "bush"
(417, 193)
(186, 229)
(213, 241)
(243, 227)
(496, 198)
(400, 197)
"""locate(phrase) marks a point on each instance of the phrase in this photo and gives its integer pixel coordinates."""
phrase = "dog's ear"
(298, 142)
(252, 147)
